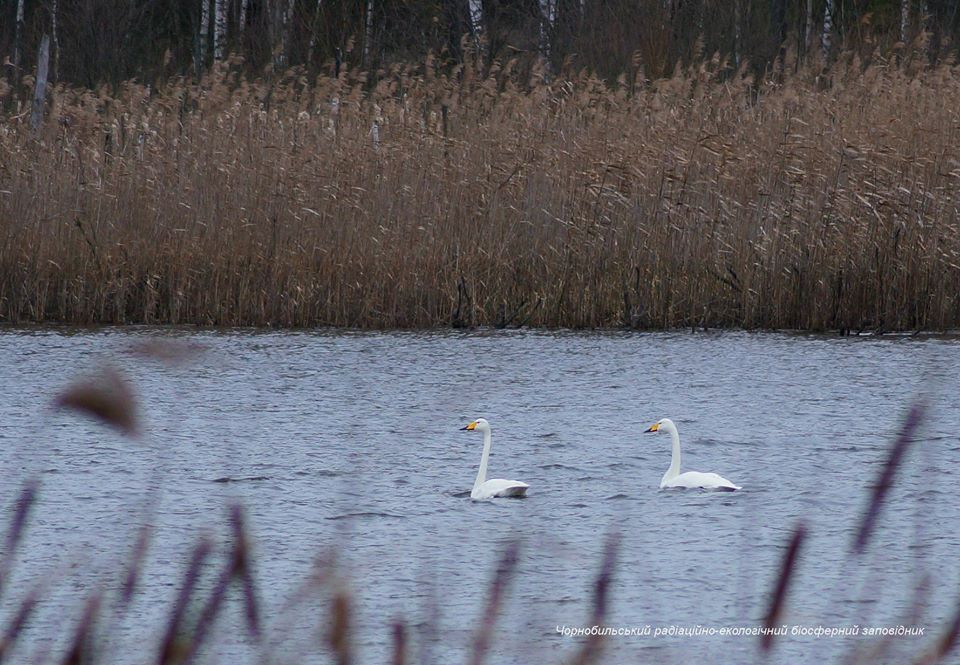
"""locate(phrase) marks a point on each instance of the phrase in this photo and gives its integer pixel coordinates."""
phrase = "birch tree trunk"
(904, 20)
(315, 26)
(546, 24)
(40, 86)
(56, 40)
(827, 34)
(219, 29)
(475, 18)
(286, 28)
(242, 19)
(18, 37)
(368, 33)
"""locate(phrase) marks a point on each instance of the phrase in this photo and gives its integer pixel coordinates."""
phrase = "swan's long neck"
(674, 469)
(484, 459)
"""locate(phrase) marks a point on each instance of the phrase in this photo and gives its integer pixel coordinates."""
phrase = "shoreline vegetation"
(438, 197)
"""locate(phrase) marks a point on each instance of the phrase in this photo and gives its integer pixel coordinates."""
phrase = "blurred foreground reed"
(439, 197)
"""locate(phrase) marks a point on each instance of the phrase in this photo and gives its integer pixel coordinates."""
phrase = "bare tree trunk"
(281, 19)
(242, 20)
(40, 86)
(18, 37)
(204, 32)
(827, 34)
(567, 24)
(315, 26)
(808, 33)
(368, 33)
(219, 29)
(780, 30)
(286, 29)
(737, 31)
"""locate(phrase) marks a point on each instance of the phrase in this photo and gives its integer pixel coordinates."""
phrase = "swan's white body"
(488, 489)
(691, 479)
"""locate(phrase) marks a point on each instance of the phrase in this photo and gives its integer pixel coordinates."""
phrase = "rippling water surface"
(347, 445)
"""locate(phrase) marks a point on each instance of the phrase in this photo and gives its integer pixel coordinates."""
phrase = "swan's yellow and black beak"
(653, 428)
(472, 426)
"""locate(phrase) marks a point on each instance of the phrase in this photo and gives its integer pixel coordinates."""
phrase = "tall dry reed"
(432, 199)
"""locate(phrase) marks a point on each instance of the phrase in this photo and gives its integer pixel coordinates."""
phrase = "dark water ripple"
(348, 443)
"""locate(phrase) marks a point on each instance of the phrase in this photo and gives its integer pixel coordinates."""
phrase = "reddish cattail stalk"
(887, 473)
(779, 595)
(498, 589)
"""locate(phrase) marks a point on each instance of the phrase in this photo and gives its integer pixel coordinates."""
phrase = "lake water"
(347, 445)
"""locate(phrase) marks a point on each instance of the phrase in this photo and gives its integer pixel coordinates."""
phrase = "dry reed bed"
(430, 200)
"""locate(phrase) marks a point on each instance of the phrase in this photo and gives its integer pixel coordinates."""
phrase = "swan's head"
(479, 425)
(664, 424)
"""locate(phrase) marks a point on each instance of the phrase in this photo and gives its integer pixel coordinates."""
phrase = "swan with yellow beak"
(488, 489)
(691, 479)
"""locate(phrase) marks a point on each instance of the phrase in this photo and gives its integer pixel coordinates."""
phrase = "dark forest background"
(107, 41)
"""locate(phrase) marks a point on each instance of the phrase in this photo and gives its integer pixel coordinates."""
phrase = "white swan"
(487, 489)
(690, 479)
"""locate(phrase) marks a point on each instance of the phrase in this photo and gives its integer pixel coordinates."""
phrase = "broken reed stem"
(83, 647)
(237, 568)
(498, 589)
(19, 620)
(18, 522)
(399, 643)
(945, 644)
(591, 649)
(241, 569)
(707, 199)
(885, 479)
(135, 565)
(172, 648)
(338, 637)
(779, 595)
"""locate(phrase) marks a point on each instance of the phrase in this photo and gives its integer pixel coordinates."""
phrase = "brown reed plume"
(706, 199)
(106, 396)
